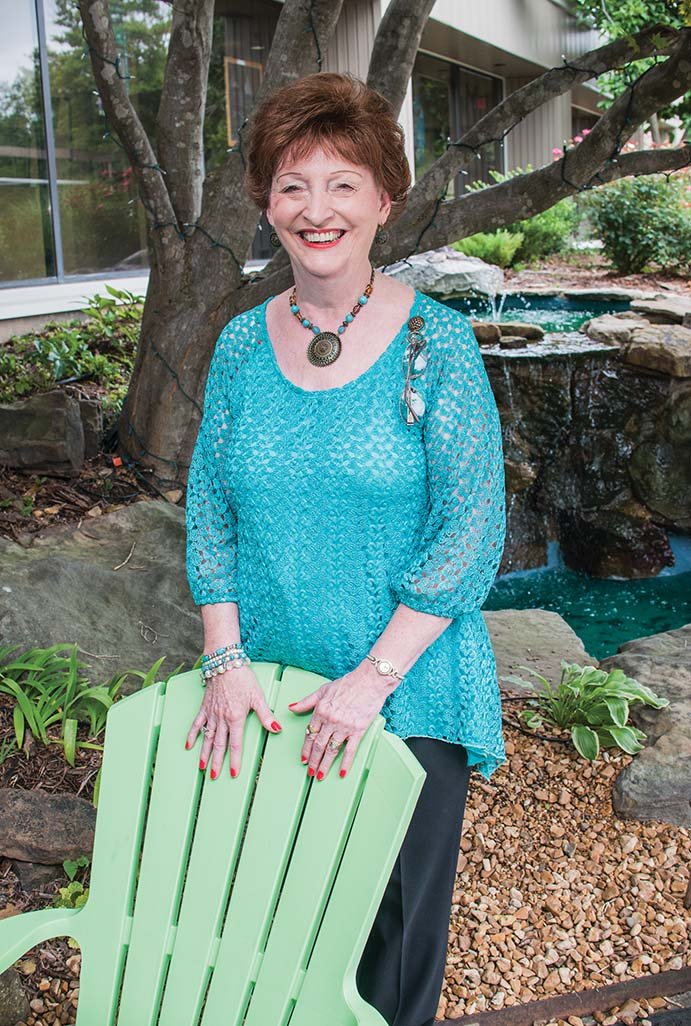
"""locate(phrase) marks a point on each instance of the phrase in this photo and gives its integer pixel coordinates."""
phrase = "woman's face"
(325, 192)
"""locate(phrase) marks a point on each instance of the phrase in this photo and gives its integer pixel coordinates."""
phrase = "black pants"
(401, 971)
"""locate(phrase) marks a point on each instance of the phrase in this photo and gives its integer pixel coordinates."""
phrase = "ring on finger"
(310, 729)
(333, 745)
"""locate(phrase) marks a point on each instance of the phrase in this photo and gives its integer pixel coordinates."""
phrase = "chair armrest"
(21, 932)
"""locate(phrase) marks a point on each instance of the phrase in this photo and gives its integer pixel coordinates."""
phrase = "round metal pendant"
(415, 323)
(324, 349)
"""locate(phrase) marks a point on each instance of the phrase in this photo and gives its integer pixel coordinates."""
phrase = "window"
(449, 99)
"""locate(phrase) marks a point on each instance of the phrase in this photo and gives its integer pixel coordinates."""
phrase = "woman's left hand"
(343, 708)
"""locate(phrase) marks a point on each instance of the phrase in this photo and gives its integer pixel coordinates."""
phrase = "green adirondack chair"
(230, 901)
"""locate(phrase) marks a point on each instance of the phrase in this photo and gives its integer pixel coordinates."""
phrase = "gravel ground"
(554, 894)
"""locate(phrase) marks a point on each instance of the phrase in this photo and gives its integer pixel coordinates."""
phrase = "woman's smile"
(322, 239)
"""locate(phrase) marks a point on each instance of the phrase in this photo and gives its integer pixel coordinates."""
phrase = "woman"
(345, 508)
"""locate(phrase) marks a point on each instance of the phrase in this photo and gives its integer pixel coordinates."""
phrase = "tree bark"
(200, 232)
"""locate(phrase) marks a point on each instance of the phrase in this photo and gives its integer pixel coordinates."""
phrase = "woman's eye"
(345, 185)
(289, 187)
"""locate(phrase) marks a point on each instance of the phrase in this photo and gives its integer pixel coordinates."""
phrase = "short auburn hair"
(336, 111)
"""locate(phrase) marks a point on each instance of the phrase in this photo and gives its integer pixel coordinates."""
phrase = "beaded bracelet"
(228, 657)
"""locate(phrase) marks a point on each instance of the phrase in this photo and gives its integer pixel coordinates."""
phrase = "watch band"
(385, 667)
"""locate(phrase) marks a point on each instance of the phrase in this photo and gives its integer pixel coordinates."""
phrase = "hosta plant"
(593, 704)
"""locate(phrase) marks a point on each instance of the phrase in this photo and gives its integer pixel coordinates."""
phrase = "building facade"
(69, 210)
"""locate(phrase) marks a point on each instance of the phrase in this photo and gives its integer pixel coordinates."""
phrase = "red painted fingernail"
(202, 765)
(303, 758)
(291, 704)
(276, 726)
(320, 775)
(214, 774)
(341, 773)
(233, 773)
(310, 772)
(187, 744)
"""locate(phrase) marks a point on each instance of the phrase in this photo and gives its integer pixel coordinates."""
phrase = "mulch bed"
(32, 502)
(589, 270)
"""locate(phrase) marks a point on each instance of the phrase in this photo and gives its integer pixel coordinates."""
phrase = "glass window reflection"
(26, 239)
(102, 221)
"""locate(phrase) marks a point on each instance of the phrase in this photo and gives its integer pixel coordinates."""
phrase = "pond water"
(553, 313)
(604, 612)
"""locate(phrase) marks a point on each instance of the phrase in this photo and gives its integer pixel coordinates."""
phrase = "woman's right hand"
(228, 698)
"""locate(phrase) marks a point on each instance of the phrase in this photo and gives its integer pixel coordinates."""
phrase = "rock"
(657, 783)
(613, 543)
(538, 638)
(446, 272)
(43, 433)
(33, 875)
(486, 332)
(520, 328)
(91, 412)
(513, 342)
(661, 473)
(665, 348)
(14, 1005)
(613, 327)
(665, 309)
(47, 828)
(126, 618)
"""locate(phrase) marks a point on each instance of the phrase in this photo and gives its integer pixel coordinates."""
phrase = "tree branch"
(103, 52)
(180, 118)
(524, 195)
(657, 40)
(395, 46)
(302, 34)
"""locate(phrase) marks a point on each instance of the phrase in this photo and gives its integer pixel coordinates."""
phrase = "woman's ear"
(384, 206)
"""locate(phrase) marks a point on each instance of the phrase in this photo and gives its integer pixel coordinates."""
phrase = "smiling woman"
(331, 527)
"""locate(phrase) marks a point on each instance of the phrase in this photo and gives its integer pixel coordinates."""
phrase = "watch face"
(385, 666)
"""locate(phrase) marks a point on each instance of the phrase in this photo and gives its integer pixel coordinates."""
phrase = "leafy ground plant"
(51, 694)
(100, 349)
(593, 704)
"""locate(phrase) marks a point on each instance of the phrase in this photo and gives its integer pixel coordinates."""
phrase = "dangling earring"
(380, 236)
(274, 239)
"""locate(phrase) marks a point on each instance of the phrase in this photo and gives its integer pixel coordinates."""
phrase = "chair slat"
(217, 840)
(103, 925)
(170, 826)
(329, 992)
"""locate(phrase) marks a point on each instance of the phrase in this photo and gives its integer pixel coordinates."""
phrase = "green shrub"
(102, 349)
(592, 703)
(498, 247)
(642, 221)
(545, 233)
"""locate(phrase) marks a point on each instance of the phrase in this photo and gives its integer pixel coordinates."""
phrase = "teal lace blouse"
(318, 511)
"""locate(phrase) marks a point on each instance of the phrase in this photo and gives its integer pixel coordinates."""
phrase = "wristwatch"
(384, 667)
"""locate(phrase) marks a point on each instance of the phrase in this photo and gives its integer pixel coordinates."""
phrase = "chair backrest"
(235, 901)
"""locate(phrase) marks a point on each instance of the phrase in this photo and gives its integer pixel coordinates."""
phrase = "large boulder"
(537, 638)
(445, 272)
(45, 828)
(14, 1005)
(656, 785)
(116, 586)
(43, 433)
(665, 348)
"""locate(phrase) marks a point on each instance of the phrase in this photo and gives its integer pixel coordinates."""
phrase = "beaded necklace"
(325, 347)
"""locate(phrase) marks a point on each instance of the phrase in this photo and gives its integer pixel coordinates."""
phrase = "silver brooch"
(411, 405)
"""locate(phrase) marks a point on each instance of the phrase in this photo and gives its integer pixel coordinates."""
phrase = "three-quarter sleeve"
(460, 547)
(211, 547)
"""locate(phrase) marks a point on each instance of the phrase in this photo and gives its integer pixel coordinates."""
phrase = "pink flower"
(556, 152)
(578, 138)
(586, 131)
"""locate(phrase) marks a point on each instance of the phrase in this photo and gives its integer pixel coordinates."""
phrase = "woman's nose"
(318, 208)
